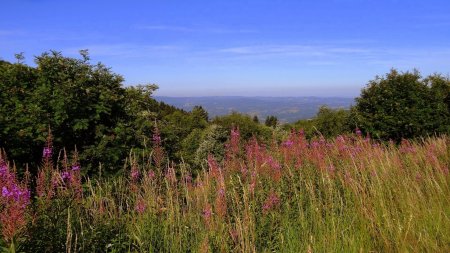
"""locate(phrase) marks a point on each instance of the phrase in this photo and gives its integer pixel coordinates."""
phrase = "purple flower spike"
(135, 174)
(75, 167)
(47, 153)
(207, 213)
(156, 138)
(5, 192)
(65, 176)
(222, 192)
(3, 169)
(140, 207)
(151, 174)
(288, 143)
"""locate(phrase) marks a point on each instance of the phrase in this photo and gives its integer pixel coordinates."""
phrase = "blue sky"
(250, 48)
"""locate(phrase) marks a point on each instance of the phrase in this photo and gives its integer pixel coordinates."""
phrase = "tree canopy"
(404, 105)
(85, 105)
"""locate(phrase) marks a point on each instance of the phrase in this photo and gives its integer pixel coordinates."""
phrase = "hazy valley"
(286, 109)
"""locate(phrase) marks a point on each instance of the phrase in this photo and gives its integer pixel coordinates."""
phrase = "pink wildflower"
(3, 167)
(47, 152)
(75, 167)
(151, 174)
(66, 176)
(140, 206)
(135, 174)
(288, 143)
(271, 202)
(207, 213)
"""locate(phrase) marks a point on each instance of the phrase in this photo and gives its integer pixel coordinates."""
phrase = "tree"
(199, 113)
(20, 118)
(246, 125)
(440, 102)
(80, 102)
(84, 104)
(403, 105)
(271, 121)
(332, 122)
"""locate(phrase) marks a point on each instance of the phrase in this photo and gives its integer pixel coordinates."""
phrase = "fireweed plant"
(14, 202)
(349, 194)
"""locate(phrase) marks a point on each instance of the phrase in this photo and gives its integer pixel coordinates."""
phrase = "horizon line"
(256, 96)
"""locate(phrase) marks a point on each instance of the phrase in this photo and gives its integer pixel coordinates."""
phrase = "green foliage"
(308, 126)
(404, 105)
(85, 106)
(440, 102)
(211, 142)
(333, 122)
(82, 103)
(256, 119)
(271, 121)
(199, 113)
(246, 125)
(203, 139)
(177, 126)
(20, 121)
(196, 147)
(328, 122)
(190, 144)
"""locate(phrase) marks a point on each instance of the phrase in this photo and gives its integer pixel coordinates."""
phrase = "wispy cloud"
(309, 54)
(434, 24)
(10, 32)
(186, 29)
(165, 28)
(404, 57)
(294, 50)
(327, 55)
(125, 50)
(431, 21)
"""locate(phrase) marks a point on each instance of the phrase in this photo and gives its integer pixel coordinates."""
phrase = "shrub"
(404, 105)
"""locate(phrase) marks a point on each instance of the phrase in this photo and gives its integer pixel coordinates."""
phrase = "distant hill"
(287, 109)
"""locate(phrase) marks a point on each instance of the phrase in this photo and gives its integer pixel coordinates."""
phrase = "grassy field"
(350, 194)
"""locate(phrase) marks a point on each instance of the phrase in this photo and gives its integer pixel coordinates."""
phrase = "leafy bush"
(85, 105)
(328, 122)
(404, 105)
(247, 127)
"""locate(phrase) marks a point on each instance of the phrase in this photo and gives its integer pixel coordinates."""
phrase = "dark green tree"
(20, 118)
(439, 100)
(80, 102)
(84, 104)
(403, 105)
(271, 121)
(177, 126)
(256, 119)
(199, 113)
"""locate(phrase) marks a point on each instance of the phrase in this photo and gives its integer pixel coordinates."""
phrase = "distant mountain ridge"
(286, 109)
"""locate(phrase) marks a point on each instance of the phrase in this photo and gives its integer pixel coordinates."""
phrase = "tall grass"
(349, 194)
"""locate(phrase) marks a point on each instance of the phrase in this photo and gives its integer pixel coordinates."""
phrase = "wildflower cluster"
(14, 201)
(289, 195)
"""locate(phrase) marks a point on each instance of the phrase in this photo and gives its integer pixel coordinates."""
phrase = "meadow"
(348, 194)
